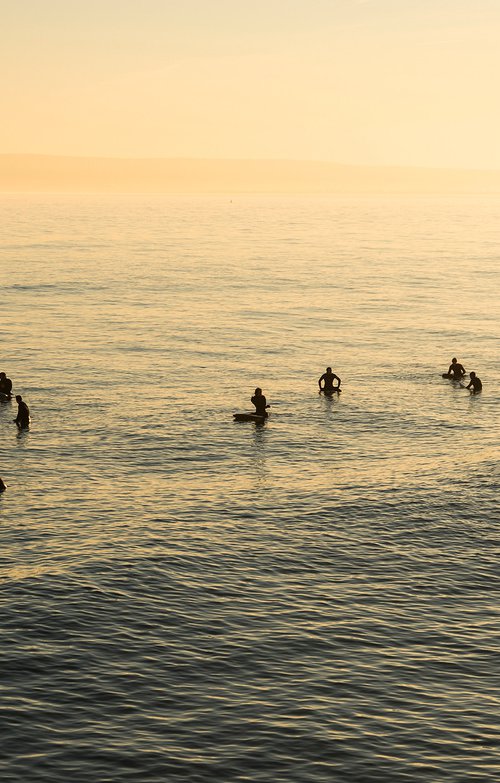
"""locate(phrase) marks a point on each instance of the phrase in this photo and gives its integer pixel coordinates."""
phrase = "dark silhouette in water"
(475, 384)
(260, 403)
(328, 378)
(5, 386)
(456, 371)
(23, 413)
(3, 486)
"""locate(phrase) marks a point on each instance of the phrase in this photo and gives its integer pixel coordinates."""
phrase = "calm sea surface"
(185, 598)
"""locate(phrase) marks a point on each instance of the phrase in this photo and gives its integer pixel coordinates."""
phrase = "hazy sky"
(411, 82)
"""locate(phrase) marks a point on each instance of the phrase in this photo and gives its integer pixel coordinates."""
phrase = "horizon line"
(198, 159)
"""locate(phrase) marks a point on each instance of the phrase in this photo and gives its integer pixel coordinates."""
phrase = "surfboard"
(329, 392)
(249, 416)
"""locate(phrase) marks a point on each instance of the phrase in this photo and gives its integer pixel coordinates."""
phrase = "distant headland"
(47, 173)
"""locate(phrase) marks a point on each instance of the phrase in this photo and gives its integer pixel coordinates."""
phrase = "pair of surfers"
(327, 379)
(23, 412)
(22, 420)
(456, 372)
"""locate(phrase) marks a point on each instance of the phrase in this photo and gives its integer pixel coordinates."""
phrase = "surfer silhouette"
(260, 403)
(23, 413)
(475, 384)
(5, 385)
(327, 379)
(456, 371)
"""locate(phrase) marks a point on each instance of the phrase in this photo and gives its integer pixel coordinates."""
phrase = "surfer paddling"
(327, 380)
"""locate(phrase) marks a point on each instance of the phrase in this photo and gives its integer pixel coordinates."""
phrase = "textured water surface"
(185, 598)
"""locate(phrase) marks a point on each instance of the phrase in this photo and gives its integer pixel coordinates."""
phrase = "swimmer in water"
(328, 378)
(456, 371)
(23, 413)
(475, 384)
(3, 486)
(260, 403)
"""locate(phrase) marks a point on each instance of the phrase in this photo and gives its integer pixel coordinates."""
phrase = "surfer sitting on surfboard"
(328, 378)
(260, 403)
(456, 370)
(5, 385)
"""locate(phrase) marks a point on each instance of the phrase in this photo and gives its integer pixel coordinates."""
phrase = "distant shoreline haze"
(46, 173)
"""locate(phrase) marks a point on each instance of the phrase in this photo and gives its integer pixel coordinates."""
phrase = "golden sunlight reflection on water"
(317, 593)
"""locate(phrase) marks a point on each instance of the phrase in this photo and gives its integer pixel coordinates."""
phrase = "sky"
(369, 82)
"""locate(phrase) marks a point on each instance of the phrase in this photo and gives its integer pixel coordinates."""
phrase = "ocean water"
(186, 598)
